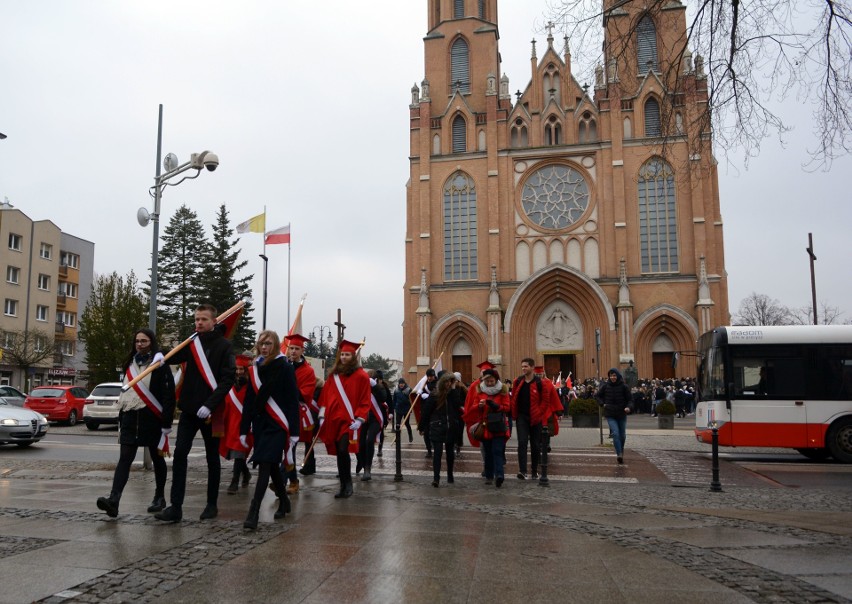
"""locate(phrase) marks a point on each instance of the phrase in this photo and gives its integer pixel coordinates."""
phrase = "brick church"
(578, 227)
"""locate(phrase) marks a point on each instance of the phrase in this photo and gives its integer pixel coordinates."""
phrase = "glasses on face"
(262, 344)
(142, 341)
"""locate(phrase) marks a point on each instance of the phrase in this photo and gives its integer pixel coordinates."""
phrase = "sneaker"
(522, 476)
(233, 487)
(170, 514)
(379, 454)
(210, 512)
(534, 475)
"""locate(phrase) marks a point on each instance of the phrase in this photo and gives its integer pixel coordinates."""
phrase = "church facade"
(577, 227)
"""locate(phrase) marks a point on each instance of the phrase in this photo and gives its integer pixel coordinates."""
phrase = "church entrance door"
(554, 363)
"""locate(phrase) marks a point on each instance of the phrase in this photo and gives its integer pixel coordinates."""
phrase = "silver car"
(21, 426)
(13, 396)
(102, 405)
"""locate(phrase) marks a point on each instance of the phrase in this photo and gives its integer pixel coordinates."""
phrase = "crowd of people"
(254, 410)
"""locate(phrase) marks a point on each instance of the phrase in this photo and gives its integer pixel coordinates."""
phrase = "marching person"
(441, 413)
(306, 382)
(230, 446)
(271, 412)
(371, 429)
(485, 417)
(344, 405)
(387, 412)
(145, 420)
(424, 393)
(209, 376)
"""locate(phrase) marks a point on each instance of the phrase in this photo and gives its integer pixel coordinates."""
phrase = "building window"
(69, 259)
(652, 117)
(41, 313)
(481, 9)
(66, 347)
(657, 218)
(46, 251)
(10, 308)
(15, 242)
(68, 289)
(458, 9)
(39, 343)
(555, 197)
(647, 45)
(459, 135)
(460, 228)
(13, 275)
(9, 339)
(553, 131)
(44, 282)
(588, 129)
(551, 84)
(459, 67)
(520, 137)
(68, 319)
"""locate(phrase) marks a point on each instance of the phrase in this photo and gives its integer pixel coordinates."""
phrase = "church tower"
(578, 227)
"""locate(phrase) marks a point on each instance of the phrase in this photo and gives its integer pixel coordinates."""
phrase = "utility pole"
(810, 251)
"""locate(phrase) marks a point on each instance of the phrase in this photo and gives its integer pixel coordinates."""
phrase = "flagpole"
(265, 268)
(288, 276)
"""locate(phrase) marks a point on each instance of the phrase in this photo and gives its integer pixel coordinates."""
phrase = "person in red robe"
(306, 382)
(344, 405)
(230, 446)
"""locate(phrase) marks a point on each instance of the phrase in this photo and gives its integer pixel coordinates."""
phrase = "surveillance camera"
(205, 159)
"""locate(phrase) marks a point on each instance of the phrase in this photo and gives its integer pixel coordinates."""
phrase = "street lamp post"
(197, 161)
(810, 251)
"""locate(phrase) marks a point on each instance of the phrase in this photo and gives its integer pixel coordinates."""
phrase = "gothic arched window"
(520, 138)
(459, 66)
(652, 117)
(588, 129)
(459, 135)
(553, 131)
(646, 34)
(458, 9)
(459, 228)
(657, 218)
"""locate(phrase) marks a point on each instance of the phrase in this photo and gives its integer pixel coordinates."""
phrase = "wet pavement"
(647, 531)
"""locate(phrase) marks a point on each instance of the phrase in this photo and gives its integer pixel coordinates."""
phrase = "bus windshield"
(711, 374)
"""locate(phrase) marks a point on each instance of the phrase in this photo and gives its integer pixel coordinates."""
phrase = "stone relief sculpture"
(558, 329)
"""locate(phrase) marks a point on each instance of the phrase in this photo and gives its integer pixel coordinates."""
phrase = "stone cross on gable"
(549, 27)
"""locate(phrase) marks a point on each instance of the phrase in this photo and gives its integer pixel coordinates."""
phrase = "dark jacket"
(195, 392)
(614, 396)
(142, 428)
(401, 402)
(278, 380)
(444, 420)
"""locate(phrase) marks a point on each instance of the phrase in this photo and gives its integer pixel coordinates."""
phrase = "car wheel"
(72, 417)
(24, 445)
(839, 439)
(92, 425)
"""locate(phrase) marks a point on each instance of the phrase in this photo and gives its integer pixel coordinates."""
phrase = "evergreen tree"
(219, 284)
(183, 256)
(115, 309)
(377, 361)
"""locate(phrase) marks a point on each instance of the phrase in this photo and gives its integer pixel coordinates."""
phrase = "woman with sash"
(271, 412)
(144, 419)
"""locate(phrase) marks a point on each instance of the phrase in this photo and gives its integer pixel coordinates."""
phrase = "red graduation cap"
(485, 365)
(538, 369)
(243, 360)
(295, 339)
(347, 346)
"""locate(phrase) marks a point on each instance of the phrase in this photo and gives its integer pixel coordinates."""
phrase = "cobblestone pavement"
(758, 541)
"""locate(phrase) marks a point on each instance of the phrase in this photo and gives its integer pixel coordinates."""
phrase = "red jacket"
(233, 415)
(544, 400)
(332, 407)
(474, 415)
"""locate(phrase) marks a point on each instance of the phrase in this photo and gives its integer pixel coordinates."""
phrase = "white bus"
(788, 386)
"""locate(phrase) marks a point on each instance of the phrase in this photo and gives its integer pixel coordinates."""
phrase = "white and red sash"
(343, 397)
(235, 401)
(306, 418)
(271, 405)
(202, 363)
(151, 402)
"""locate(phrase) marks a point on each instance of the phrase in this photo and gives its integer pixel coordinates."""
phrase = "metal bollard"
(543, 480)
(398, 442)
(715, 485)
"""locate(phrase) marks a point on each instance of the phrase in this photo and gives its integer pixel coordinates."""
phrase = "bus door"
(768, 401)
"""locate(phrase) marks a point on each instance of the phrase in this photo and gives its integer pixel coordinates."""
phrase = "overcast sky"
(306, 105)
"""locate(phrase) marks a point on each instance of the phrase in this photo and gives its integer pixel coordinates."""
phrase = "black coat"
(195, 392)
(443, 422)
(141, 427)
(278, 380)
(614, 398)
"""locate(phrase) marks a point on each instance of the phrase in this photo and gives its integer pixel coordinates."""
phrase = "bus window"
(835, 373)
(769, 375)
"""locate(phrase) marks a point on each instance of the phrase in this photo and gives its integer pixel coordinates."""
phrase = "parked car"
(13, 396)
(58, 403)
(102, 405)
(20, 426)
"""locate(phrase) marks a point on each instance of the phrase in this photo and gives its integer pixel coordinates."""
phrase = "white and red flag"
(281, 235)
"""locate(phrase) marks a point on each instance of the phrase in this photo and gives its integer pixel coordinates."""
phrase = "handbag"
(479, 431)
(496, 422)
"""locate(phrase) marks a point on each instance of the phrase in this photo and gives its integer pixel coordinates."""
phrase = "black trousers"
(367, 441)
(344, 462)
(527, 433)
(125, 460)
(437, 450)
(188, 426)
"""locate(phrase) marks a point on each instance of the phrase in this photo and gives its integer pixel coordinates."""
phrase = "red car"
(58, 403)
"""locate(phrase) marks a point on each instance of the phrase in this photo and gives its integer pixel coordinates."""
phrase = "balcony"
(59, 327)
(63, 270)
(60, 299)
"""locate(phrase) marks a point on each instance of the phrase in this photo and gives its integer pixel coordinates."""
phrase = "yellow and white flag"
(257, 224)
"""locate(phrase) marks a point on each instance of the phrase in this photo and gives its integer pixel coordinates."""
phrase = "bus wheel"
(839, 439)
(815, 454)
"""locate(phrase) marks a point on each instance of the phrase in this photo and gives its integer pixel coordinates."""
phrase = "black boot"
(235, 484)
(283, 506)
(109, 504)
(309, 467)
(345, 489)
(367, 473)
(157, 505)
(246, 477)
(253, 515)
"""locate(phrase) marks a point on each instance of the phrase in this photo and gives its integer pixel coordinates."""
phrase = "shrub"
(583, 406)
(666, 408)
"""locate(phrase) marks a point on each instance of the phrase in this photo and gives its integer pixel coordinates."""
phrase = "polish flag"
(281, 235)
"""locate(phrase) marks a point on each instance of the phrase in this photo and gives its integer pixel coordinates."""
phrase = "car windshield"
(106, 391)
(47, 392)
